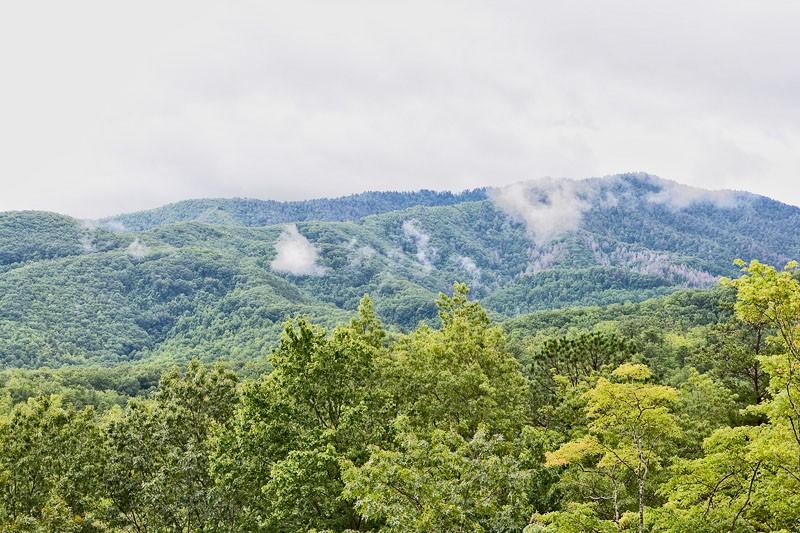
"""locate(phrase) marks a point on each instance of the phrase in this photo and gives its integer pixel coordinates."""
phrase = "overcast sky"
(110, 106)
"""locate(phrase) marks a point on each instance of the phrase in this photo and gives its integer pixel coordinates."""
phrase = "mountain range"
(215, 278)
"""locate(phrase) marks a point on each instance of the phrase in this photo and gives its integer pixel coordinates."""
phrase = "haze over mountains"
(216, 278)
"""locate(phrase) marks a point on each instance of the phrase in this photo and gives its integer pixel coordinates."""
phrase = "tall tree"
(460, 376)
(630, 430)
(321, 404)
(159, 475)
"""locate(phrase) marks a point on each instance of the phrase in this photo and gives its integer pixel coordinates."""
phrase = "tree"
(440, 481)
(322, 404)
(732, 353)
(561, 365)
(52, 461)
(460, 376)
(749, 477)
(702, 406)
(158, 475)
(712, 493)
(630, 430)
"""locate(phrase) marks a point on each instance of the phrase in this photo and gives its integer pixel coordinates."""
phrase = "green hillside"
(75, 292)
(209, 372)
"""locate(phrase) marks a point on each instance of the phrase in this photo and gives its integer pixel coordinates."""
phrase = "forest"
(676, 414)
(203, 280)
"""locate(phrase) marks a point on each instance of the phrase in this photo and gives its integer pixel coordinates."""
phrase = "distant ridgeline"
(251, 212)
(216, 278)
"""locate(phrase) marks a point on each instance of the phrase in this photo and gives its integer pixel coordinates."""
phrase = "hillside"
(216, 278)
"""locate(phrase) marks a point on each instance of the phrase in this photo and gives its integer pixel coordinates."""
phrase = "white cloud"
(137, 249)
(260, 99)
(295, 254)
(473, 270)
(679, 196)
(549, 208)
(425, 252)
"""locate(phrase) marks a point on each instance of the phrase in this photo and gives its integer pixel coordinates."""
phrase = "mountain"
(216, 278)
(252, 212)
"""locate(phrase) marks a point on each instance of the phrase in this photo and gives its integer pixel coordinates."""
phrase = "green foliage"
(561, 364)
(158, 476)
(194, 279)
(630, 432)
(322, 404)
(440, 481)
(675, 414)
(460, 376)
(52, 460)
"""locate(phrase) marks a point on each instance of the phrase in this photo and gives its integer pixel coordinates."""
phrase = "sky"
(110, 106)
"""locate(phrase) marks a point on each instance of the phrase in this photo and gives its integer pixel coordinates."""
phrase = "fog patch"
(360, 254)
(137, 249)
(677, 196)
(295, 254)
(425, 252)
(88, 227)
(549, 208)
(114, 226)
(470, 268)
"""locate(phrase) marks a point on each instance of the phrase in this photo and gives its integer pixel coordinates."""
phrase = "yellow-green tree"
(629, 435)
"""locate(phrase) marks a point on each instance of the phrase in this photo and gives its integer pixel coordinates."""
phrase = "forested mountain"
(219, 286)
(252, 212)
(215, 365)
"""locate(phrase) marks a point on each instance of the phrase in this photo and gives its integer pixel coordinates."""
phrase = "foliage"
(193, 279)
(409, 412)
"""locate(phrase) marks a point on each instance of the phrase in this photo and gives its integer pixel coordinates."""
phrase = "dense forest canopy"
(176, 283)
(682, 419)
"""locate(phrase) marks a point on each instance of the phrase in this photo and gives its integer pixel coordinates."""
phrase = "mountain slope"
(73, 292)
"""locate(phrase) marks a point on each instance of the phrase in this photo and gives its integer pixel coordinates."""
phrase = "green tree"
(52, 458)
(460, 376)
(322, 404)
(440, 481)
(749, 477)
(630, 430)
(702, 406)
(158, 476)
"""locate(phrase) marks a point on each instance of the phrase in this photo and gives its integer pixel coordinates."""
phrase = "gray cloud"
(109, 108)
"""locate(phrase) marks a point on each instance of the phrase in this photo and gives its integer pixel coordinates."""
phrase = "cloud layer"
(109, 108)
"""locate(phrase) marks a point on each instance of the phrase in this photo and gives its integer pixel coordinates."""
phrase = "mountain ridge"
(76, 291)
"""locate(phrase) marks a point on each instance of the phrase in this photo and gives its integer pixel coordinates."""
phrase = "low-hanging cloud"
(88, 227)
(472, 269)
(549, 208)
(678, 196)
(295, 254)
(425, 252)
(137, 249)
